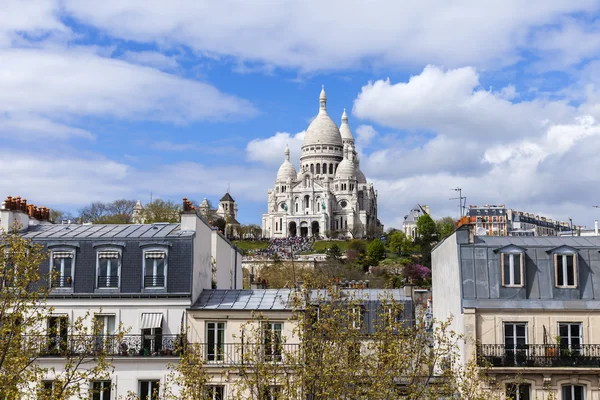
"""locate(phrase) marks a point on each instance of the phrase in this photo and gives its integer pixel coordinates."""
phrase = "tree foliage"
(399, 243)
(23, 336)
(426, 228)
(445, 226)
(115, 212)
(161, 211)
(375, 251)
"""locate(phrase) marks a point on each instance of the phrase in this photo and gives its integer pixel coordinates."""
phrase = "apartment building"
(222, 322)
(528, 309)
(498, 220)
(141, 276)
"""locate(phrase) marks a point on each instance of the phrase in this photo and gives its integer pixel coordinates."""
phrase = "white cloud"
(270, 151)
(151, 59)
(364, 136)
(79, 83)
(31, 127)
(451, 102)
(315, 35)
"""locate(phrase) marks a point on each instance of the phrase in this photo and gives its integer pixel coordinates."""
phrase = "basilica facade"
(328, 196)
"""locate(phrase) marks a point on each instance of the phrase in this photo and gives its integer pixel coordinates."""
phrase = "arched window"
(296, 207)
(336, 167)
(306, 201)
(318, 168)
(331, 169)
(324, 168)
(312, 168)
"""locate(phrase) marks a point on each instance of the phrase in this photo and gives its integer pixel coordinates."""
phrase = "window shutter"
(522, 268)
(575, 274)
(502, 268)
(555, 269)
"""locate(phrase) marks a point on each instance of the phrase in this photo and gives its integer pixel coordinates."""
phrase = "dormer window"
(108, 268)
(565, 270)
(155, 269)
(62, 268)
(512, 269)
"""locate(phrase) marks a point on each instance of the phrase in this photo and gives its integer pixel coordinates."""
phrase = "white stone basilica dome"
(346, 169)
(287, 169)
(322, 130)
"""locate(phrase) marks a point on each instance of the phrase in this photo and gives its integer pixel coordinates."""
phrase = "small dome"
(360, 177)
(322, 130)
(346, 169)
(286, 170)
(345, 131)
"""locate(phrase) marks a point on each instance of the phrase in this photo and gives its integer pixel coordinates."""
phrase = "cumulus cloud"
(269, 151)
(70, 84)
(341, 34)
(151, 58)
(365, 135)
(452, 102)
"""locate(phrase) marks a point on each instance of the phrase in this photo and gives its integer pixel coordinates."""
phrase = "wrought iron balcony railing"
(245, 353)
(157, 281)
(111, 281)
(540, 355)
(62, 282)
(109, 345)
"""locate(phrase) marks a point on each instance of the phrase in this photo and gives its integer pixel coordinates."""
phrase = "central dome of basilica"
(322, 130)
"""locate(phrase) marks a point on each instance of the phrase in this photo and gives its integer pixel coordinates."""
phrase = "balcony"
(110, 345)
(62, 282)
(108, 281)
(154, 281)
(539, 355)
(227, 354)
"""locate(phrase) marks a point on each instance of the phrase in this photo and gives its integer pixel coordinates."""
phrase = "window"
(573, 392)
(516, 391)
(155, 268)
(272, 340)
(330, 169)
(215, 338)
(101, 390)
(515, 340)
(62, 269)
(565, 270)
(357, 315)
(104, 328)
(215, 393)
(318, 168)
(108, 269)
(512, 269)
(272, 393)
(149, 390)
(58, 330)
(46, 389)
(312, 168)
(570, 336)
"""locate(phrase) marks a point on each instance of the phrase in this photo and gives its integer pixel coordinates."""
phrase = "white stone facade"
(329, 196)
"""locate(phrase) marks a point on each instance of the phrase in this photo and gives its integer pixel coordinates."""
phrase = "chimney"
(189, 219)
(596, 227)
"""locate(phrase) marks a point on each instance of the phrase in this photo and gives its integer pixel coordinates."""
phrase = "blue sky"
(117, 99)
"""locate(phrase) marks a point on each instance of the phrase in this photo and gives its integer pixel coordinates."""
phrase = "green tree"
(399, 243)
(161, 211)
(23, 336)
(426, 228)
(334, 253)
(445, 226)
(115, 212)
(375, 251)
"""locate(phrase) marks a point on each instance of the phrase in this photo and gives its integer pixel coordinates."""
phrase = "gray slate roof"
(537, 241)
(253, 299)
(414, 214)
(281, 299)
(105, 231)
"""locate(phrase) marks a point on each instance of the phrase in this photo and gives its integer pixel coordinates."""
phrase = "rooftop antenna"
(460, 199)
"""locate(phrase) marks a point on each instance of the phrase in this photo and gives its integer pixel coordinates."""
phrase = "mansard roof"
(105, 231)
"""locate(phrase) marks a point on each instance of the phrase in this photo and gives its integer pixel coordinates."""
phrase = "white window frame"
(514, 332)
(569, 336)
(219, 354)
(517, 387)
(513, 257)
(358, 321)
(155, 249)
(109, 249)
(564, 269)
(73, 263)
(149, 383)
(106, 384)
(572, 390)
(211, 390)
